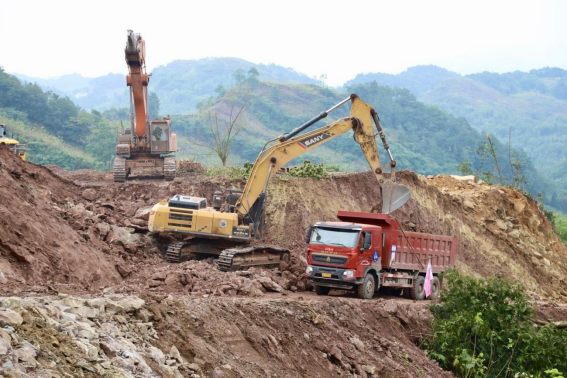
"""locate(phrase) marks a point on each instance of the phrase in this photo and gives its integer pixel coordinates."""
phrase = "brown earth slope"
(79, 233)
(38, 244)
(81, 228)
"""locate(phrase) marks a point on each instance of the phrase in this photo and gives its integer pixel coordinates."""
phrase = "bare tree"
(223, 132)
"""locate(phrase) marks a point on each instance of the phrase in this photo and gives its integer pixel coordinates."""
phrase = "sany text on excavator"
(216, 230)
(145, 144)
(13, 144)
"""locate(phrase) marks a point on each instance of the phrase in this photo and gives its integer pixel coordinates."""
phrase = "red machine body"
(342, 254)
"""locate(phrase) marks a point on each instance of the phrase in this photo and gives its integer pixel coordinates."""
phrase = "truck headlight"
(348, 273)
(308, 270)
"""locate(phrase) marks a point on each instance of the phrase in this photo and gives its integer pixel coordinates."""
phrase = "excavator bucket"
(394, 196)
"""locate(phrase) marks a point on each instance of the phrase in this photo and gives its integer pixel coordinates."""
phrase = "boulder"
(156, 355)
(131, 304)
(464, 178)
(9, 317)
(174, 353)
(5, 347)
(89, 194)
(143, 213)
(269, 285)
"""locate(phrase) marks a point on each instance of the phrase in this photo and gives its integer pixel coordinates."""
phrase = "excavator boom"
(361, 121)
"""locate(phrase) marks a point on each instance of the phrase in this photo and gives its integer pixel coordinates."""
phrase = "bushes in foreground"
(484, 328)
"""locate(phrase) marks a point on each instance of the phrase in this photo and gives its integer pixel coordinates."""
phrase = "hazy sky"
(336, 38)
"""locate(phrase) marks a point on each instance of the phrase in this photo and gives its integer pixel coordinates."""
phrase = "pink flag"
(428, 278)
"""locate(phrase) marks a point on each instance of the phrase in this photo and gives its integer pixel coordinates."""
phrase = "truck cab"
(341, 253)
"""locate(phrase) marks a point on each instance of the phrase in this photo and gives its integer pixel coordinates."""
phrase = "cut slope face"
(37, 245)
(501, 231)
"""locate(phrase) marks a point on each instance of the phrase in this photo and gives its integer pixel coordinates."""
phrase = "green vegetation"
(236, 172)
(528, 108)
(308, 169)
(561, 226)
(55, 130)
(484, 328)
(532, 120)
(418, 79)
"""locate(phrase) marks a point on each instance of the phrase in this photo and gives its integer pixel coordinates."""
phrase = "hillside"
(532, 105)
(418, 79)
(537, 122)
(85, 285)
(180, 85)
(422, 138)
(55, 130)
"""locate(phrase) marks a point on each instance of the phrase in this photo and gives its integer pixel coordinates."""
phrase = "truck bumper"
(336, 280)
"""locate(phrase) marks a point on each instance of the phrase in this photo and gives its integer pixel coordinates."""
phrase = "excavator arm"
(138, 80)
(362, 120)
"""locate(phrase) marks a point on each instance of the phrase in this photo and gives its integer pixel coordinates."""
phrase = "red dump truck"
(367, 251)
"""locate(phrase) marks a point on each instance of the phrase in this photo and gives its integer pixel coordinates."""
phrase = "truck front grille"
(329, 259)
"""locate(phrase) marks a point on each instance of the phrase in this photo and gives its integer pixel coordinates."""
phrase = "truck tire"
(435, 288)
(322, 290)
(367, 288)
(417, 292)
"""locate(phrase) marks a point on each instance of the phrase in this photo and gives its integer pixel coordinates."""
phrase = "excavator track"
(169, 168)
(259, 255)
(173, 254)
(119, 169)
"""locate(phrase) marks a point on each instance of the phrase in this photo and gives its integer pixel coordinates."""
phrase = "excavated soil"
(73, 245)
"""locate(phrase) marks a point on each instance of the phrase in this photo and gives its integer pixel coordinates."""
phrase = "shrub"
(484, 328)
(308, 169)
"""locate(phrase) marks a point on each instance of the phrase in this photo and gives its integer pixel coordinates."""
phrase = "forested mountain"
(529, 108)
(180, 85)
(423, 138)
(55, 130)
(418, 79)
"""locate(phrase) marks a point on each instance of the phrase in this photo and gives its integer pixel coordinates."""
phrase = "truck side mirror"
(367, 240)
(308, 235)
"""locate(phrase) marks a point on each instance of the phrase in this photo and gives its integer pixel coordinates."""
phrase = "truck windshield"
(333, 236)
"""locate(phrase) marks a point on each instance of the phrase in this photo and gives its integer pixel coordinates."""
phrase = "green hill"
(422, 138)
(180, 85)
(55, 130)
(418, 79)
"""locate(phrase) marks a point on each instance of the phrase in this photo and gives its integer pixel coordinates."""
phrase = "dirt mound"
(37, 244)
(501, 231)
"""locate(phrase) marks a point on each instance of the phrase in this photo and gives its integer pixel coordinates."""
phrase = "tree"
(253, 75)
(221, 131)
(239, 76)
(153, 105)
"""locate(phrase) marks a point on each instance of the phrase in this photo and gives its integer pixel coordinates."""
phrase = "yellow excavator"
(13, 144)
(240, 219)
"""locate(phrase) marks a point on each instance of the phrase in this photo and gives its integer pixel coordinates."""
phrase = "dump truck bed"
(403, 250)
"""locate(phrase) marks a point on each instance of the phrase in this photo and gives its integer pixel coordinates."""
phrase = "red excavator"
(145, 144)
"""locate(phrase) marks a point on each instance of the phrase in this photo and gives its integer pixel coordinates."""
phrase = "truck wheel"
(435, 288)
(417, 292)
(366, 290)
(322, 290)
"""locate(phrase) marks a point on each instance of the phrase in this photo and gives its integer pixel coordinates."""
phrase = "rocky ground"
(86, 291)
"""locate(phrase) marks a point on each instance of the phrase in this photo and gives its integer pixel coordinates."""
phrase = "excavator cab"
(161, 136)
